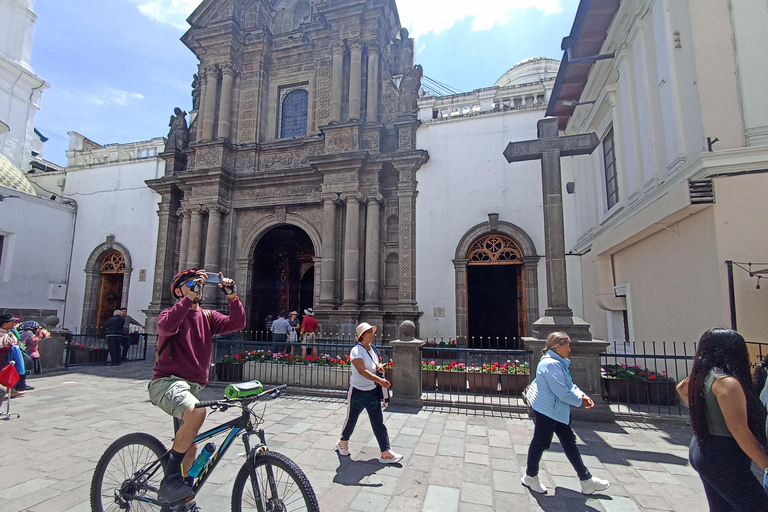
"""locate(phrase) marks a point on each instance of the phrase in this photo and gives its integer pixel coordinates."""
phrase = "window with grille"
(609, 162)
(293, 113)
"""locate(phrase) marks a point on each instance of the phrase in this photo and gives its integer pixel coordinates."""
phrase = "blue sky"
(117, 67)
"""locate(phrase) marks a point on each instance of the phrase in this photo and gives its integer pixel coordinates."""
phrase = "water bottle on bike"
(201, 460)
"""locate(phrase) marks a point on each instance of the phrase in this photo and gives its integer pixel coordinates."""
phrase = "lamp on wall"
(574, 103)
(4, 128)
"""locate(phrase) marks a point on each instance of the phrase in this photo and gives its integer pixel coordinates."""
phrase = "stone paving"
(455, 460)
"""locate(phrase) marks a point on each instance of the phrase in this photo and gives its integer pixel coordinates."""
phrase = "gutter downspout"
(69, 264)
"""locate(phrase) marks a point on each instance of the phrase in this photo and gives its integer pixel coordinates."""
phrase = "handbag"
(293, 337)
(529, 393)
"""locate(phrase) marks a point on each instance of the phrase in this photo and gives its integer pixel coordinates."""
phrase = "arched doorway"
(496, 311)
(283, 274)
(110, 287)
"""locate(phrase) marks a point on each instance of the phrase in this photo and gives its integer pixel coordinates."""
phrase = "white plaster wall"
(37, 240)
(20, 92)
(17, 24)
(466, 178)
(114, 200)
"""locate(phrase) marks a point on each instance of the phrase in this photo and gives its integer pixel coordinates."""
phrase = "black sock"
(173, 467)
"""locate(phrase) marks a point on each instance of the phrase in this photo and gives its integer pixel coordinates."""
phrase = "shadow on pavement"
(567, 500)
(352, 472)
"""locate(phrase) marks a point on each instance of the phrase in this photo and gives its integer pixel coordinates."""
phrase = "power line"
(437, 88)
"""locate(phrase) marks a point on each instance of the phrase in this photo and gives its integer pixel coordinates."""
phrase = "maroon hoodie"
(189, 339)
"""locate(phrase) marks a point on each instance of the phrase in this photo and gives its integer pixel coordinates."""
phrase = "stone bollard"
(406, 373)
(52, 350)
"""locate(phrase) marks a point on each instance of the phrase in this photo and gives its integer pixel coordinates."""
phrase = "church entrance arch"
(283, 274)
(496, 286)
(107, 283)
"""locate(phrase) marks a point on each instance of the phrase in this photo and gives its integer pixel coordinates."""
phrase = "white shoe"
(393, 459)
(343, 448)
(594, 485)
(534, 484)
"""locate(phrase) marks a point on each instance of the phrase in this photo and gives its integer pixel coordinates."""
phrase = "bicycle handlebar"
(227, 402)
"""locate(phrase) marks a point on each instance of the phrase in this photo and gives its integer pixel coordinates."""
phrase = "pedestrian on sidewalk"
(728, 423)
(126, 341)
(551, 399)
(113, 328)
(366, 393)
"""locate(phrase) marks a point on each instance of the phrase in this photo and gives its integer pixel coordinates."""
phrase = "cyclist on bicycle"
(182, 362)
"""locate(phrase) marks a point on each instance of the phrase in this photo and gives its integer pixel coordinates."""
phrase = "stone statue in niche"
(401, 54)
(408, 102)
(195, 92)
(178, 137)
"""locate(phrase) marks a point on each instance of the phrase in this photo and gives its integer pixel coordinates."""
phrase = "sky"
(117, 68)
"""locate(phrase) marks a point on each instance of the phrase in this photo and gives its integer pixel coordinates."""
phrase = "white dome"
(529, 71)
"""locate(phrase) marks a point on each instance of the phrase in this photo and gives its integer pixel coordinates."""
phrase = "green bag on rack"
(243, 389)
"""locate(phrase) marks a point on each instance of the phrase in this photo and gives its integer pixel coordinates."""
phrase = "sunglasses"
(190, 284)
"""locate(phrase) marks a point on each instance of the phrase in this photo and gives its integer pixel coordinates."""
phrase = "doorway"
(283, 274)
(110, 287)
(495, 294)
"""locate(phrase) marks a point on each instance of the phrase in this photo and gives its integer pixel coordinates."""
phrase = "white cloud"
(424, 16)
(106, 95)
(172, 12)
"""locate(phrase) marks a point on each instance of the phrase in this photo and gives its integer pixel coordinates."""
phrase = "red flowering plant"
(79, 346)
(516, 368)
(633, 372)
(441, 343)
(453, 366)
(389, 365)
(484, 368)
(428, 365)
(326, 360)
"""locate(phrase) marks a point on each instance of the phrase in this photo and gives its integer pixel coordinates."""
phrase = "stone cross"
(549, 148)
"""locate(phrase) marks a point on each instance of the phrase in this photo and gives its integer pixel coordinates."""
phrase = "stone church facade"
(299, 176)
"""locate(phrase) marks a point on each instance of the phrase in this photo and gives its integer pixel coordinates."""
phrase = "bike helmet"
(180, 278)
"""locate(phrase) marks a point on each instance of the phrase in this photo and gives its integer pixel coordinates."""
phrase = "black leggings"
(359, 400)
(544, 428)
(725, 471)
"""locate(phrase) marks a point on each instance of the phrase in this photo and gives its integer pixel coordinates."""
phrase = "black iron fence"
(82, 349)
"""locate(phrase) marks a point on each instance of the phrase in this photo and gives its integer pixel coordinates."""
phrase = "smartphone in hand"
(212, 278)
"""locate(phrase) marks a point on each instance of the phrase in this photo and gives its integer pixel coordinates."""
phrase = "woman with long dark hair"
(728, 423)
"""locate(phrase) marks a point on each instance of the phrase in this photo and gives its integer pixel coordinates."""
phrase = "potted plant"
(484, 378)
(428, 376)
(623, 383)
(514, 376)
(661, 389)
(452, 377)
(230, 368)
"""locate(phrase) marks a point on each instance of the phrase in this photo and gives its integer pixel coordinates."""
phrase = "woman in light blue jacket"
(551, 399)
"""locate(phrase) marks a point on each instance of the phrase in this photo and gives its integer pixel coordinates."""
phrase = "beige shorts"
(174, 395)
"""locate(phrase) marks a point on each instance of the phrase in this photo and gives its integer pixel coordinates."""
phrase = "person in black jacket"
(113, 328)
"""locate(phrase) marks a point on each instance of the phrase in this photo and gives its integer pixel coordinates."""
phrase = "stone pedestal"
(406, 133)
(407, 373)
(52, 350)
(175, 161)
(585, 362)
(573, 326)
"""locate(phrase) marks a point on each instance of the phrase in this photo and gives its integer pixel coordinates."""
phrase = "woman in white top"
(364, 393)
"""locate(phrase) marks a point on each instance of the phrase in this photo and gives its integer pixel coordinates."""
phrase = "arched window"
(113, 262)
(293, 114)
(494, 250)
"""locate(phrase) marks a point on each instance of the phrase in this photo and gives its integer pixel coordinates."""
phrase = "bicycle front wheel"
(282, 487)
(118, 483)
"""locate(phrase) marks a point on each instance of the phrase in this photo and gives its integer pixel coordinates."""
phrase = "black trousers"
(113, 344)
(545, 428)
(126, 341)
(358, 401)
(725, 471)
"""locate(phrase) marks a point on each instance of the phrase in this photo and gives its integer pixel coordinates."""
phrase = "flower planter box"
(662, 393)
(428, 380)
(483, 383)
(229, 372)
(328, 377)
(388, 373)
(632, 391)
(98, 356)
(455, 382)
(513, 383)
(79, 356)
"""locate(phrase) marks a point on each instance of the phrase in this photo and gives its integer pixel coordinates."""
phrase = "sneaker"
(393, 458)
(174, 489)
(28, 388)
(534, 484)
(594, 485)
(15, 392)
(342, 447)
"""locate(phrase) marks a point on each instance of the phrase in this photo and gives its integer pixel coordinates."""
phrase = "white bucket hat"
(309, 312)
(362, 329)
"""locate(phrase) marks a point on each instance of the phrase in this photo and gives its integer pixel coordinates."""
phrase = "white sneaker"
(594, 485)
(534, 484)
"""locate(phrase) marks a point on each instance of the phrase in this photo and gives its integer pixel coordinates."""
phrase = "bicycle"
(129, 473)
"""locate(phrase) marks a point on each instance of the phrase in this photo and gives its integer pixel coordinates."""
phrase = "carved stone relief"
(286, 159)
(248, 109)
(245, 163)
(405, 137)
(340, 177)
(371, 141)
(280, 213)
(323, 96)
(209, 158)
(341, 141)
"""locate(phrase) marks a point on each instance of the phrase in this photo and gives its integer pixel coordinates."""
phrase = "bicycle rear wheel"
(283, 487)
(115, 478)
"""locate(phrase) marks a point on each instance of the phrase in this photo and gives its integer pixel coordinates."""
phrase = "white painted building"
(113, 255)
(466, 179)
(676, 93)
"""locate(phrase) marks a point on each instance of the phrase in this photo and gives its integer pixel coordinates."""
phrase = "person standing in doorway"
(554, 394)
(280, 329)
(366, 393)
(308, 334)
(293, 335)
(126, 332)
(728, 423)
(113, 328)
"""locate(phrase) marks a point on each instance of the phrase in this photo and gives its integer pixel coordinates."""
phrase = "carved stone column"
(209, 109)
(184, 248)
(328, 264)
(166, 250)
(195, 238)
(201, 108)
(337, 78)
(372, 246)
(352, 249)
(355, 79)
(212, 240)
(406, 211)
(372, 101)
(228, 72)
